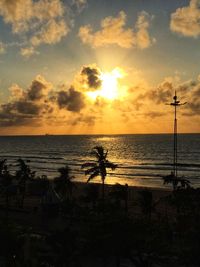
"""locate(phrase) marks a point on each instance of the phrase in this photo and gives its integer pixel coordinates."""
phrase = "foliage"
(147, 203)
(176, 182)
(99, 167)
(23, 174)
(64, 182)
(5, 181)
(39, 185)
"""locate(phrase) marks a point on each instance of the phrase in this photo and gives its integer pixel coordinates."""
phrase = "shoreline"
(133, 191)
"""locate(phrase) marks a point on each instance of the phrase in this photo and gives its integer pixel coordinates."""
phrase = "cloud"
(2, 48)
(23, 15)
(113, 32)
(157, 97)
(192, 108)
(28, 51)
(162, 93)
(41, 104)
(154, 114)
(143, 39)
(37, 22)
(71, 100)
(92, 77)
(186, 20)
(16, 92)
(38, 89)
(50, 33)
(79, 4)
(25, 107)
(19, 112)
(18, 13)
(88, 120)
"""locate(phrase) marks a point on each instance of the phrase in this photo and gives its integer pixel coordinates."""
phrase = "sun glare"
(110, 88)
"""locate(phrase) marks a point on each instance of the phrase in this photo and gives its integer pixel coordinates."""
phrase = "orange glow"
(110, 88)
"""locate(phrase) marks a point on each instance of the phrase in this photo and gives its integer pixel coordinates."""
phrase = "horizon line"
(98, 134)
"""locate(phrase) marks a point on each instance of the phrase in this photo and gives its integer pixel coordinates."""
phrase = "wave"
(29, 157)
(178, 164)
(77, 162)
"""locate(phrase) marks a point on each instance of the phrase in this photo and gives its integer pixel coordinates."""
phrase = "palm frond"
(106, 154)
(88, 164)
(93, 175)
(91, 170)
(95, 154)
(110, 165)
(99, 151)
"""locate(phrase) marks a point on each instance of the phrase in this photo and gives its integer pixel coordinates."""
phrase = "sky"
(98, 66)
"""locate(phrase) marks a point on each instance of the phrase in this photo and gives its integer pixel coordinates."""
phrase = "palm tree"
(147, 203)
(120, 192)
(63, 183)
(176, 182)
(5, 180)
(92, 194)
(23, 175)
(98, 168)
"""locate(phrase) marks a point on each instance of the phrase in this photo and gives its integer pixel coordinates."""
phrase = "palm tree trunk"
(103, 193)
(103, 189)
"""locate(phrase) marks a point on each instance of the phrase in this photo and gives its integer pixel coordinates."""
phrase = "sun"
(110, 88)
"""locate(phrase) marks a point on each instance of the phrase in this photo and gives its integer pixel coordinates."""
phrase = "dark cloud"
(19, 113)
(186, 87)
(92, 75)
(38, 89)
(192, 107)
(10, 115)
(162, 93)
(71, 100)
(38, 104)
(27, 107)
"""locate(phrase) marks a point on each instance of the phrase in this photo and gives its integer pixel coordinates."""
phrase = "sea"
(142, 159)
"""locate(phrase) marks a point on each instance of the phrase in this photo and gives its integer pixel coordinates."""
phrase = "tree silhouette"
(63, 183)
(98, 168)
(23, 175)
(92, 194)
(5, 180)
(176, 182)
(120, 192)
(147, 204)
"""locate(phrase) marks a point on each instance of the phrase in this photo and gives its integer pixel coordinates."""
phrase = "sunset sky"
(98, 66)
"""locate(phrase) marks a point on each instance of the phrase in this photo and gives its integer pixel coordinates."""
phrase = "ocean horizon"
(97, 134)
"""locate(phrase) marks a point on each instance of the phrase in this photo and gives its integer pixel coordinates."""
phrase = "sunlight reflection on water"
(138, 156)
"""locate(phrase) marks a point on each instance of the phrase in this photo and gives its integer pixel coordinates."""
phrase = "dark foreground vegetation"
(67, 224)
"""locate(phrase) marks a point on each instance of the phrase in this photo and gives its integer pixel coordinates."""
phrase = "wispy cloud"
(28, 51)
(2, 48)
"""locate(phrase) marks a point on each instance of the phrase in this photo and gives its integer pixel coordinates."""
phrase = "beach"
(84, 215)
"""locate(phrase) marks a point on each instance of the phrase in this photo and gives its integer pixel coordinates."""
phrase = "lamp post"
(176, 103)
